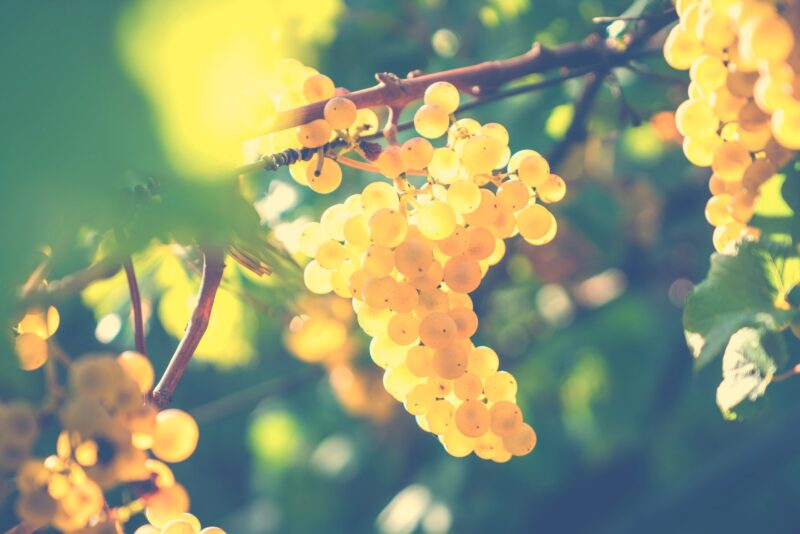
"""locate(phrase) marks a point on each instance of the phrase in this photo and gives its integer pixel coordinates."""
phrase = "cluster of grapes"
(742, 117)
(321, 333)
(107, 430)
(408, 254)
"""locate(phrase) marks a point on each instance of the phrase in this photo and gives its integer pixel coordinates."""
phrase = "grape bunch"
(410, 250)
(742, 117)
(109, 436)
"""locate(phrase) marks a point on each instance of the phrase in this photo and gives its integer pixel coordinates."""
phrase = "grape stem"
(794, 371)
(485, 78)
(213, 267)
(70, 284)
(136, 306)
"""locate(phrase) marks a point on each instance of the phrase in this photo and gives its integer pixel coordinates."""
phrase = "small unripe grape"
(472, 418)
(390, 162)
(340, 112)
(377, 196)
(436, 220)
(325, 180)
(175, 436)
(431, 121)
(506, 418)
(318, 87)
(522, 441)
(314, 134)
(500, 386)
(416, 153)
(387, 227)
(437, 330)
(533, 170)
(138, 367)
(442, 94)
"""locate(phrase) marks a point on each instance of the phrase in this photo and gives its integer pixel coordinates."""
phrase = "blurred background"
(630, 438)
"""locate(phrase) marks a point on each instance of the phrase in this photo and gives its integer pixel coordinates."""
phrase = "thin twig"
(36, 278)
(229, 404)
(71, 284)
(794, 371)
(20, 529)
(213, 267)
(136, 306)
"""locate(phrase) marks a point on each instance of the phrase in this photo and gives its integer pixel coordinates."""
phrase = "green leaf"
(747, 289)
(747, 367)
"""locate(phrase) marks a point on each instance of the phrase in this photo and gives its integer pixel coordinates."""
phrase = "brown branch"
(213, 267)
(136, 306)
(71, 284)
(20, 529)
(484, 78)
(794, 371)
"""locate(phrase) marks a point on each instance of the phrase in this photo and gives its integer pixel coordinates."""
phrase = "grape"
(500, 386)
(417, 153)
(432, 300)
(468, 387)
(466, 321)
(420, 399)
(496, 131)
(333, 220)
(437, 330)
(366, 123)
(373, 320)
(730, 161)
(317, 279)
(462, 274)
(39, 322)
(457, 444)
(481, 154)
(488, 446)
(314, 134)
(419, 360)
(514, 194)
(439, 417)
(431, 121)
(377, 196)
(695, 118)
(31, 351)
(786, 126)
(450, 361)
(330, 254)
(681, 49)
(212, 530)
(709, 72)
(757, 173)
(404, 297)
(179, 526)
(486, 212)
(701, 152)
(506, 417)
(403, 328)
(139, 368)
(378, 261)
(481, 244)
(456, 243)
(533, 170)
(442, 94)
(340, 113)
(390, 162)
(166, 504)
(522, 441)
(325, 179)
(414, 258)
(768, 38)
(444, 165)
(431, 279)
(387, 227)
(463, 196)
(318, 87)
(399, 381)
(36, 508)
(717, 213)
(483, 362)
(535, 222)
(472, 418)
(377, 291)
(311, 237)
(356, 231)
(436, 220)
(175, 437)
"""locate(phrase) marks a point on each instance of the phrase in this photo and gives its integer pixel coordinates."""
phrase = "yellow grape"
(399, 381)
(42, 323)
(179, 526)
(696, 118)
(488, 446)
(442, 94)
(323, 179)
(419, 360)
(533, 170)
(681, 49)
(472, 418)
(373, 320)
(431, 279)
(416, 153)
(413, 258)
(483, 362)
(317, 279)
(431, 121)
(390, 162)
(462, 274)
(437, 330)
(330, 254)
(212, 530)
(457, 444)
(552, 190)
(420, 399)
(522, 441)
(701, 152)
(496, 131)
(506, 418)
(386, 353)
(311, 237)
(716, 212)
(387, 227)
(468, 387)
(403, 328)
(709, 72)
(466, 321)
(175, 437)
(377, 196)
(757, 173)
(451, 361)
(514, 194)
(404, 297)
(436, 220)
(31, 351)
(481, 244)
(500, 386)
(356, 231)
(340, 112)
(456, 243)
(463, 196)
(481, 154)
(318, 87)
(138, 367)
(432, 300)
(439, 416)
(166, 504)
(444, 165)
(314, 134)
(378, 261)
(377, 291)
(730, 161)
(786, 126)
(535, 222)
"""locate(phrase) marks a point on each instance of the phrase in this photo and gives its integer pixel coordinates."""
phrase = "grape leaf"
(747, 368)
(746, 289)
